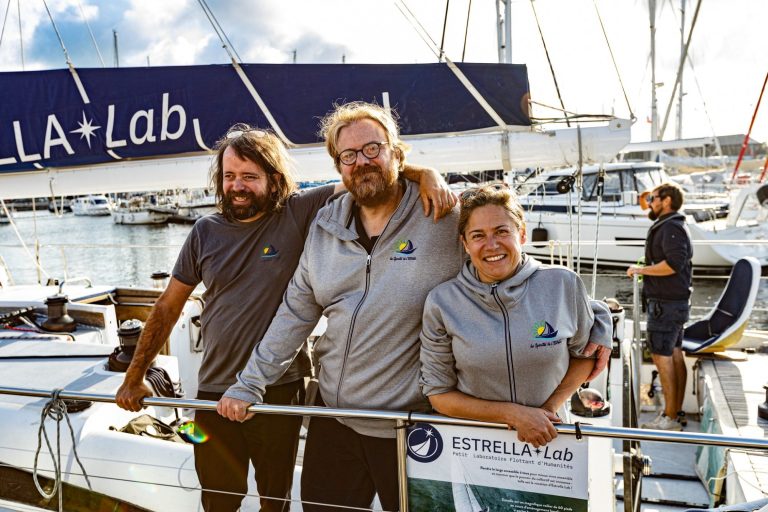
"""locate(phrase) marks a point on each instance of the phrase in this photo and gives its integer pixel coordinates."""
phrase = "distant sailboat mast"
(504, 31)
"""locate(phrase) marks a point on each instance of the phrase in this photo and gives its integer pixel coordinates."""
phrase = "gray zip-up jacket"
(510, 341)
(369, 354)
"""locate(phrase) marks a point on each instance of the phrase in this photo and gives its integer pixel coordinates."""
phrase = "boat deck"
(729, 387)
(734, 386)
(673, 484)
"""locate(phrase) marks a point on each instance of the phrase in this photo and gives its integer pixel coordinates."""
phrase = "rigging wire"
(219, 30)
(445, 24)
(5, 18)
(613, 59)
(416, 24)
(21, 239)
(706, 110)
(21, 38)
(680, 69)
(477, 95)
(95, 45)
(689, 59)
(58, 35)
(549, 60)
(466, 31)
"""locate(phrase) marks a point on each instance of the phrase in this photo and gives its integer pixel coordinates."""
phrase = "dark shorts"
(666, 322)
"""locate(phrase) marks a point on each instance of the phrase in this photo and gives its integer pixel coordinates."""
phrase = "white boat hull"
(621, 240)
(139, 216)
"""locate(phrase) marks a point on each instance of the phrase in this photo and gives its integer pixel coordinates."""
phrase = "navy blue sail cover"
(163, 111)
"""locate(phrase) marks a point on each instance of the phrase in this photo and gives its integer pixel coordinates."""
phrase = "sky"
(722, 80)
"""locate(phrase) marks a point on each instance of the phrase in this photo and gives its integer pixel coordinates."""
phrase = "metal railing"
(403, 419)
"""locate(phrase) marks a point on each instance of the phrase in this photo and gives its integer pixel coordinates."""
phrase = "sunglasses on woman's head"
(238, 133)
(472, 192)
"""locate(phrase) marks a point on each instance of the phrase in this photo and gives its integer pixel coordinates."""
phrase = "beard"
(370, 185)
(256, 204)
(653, 215)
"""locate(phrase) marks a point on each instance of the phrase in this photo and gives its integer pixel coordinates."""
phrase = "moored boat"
(91, 206)
(135, 211)
(723, 229)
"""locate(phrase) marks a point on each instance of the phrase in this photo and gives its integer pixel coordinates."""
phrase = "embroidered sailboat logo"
(268, 252)
(543, 330)
(404, 247)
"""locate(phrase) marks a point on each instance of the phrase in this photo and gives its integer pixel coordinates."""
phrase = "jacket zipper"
(507, 342)
(360, 304)
(352, 327)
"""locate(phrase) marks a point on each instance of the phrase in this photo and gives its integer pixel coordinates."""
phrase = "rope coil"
(56, 409)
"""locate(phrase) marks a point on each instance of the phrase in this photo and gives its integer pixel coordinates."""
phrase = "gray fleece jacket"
(369, 354)
(510, 341)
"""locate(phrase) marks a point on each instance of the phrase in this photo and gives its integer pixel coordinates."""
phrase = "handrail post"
(637, 344)
(402, 475)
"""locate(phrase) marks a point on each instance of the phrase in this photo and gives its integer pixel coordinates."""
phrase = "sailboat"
(151, 129)
(564, 222)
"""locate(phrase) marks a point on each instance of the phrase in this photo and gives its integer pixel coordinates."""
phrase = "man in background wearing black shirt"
(666, 291)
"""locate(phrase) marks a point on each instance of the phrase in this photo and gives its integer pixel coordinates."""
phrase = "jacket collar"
(509, 290)
(337, 219)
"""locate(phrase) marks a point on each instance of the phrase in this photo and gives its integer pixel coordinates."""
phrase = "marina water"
(109, 253)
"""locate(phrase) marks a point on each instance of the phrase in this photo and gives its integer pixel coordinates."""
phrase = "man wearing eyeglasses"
(666, 295)
(371, 259)
(245, 255)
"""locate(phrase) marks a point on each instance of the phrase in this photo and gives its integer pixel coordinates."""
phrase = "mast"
(680, 94)
(504, 31)
(114, 42)
(654, 107)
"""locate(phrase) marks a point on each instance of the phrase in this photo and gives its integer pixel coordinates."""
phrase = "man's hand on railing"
(130, 395)
(234, 409)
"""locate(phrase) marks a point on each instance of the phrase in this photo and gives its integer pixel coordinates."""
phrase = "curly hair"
(263, 148)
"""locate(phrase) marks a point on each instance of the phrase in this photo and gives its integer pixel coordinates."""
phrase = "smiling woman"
(523, 378)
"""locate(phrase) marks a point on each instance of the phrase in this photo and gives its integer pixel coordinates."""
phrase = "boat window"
(611, 187)
(540, 188)
(645, 181)
(628, 180)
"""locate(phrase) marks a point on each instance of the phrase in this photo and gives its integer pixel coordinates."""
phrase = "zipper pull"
(368, 265)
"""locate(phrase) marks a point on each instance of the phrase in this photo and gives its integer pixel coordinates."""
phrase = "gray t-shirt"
(246, 268)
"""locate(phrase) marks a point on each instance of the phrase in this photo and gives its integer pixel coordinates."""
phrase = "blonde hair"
(348, 113)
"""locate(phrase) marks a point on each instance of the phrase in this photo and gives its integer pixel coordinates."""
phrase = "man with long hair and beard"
(666, 296)
(245, 255)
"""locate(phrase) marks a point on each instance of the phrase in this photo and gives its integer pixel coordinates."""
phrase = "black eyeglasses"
(472, 192)
(239, 133)
(369, 151)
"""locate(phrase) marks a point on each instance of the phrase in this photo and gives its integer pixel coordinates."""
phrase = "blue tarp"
(153, 111)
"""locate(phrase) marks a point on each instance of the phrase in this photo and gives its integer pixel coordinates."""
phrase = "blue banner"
(164, 111)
